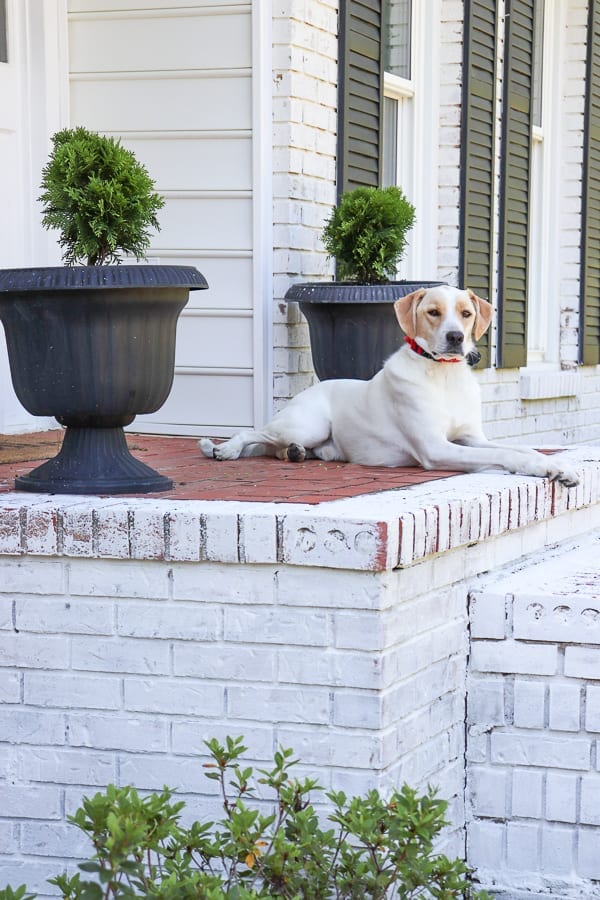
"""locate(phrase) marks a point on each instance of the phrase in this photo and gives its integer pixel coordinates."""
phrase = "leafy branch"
(99, 197)
(378, 848)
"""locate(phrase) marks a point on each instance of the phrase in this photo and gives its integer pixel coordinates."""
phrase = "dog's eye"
(466, 314)
(433, 312)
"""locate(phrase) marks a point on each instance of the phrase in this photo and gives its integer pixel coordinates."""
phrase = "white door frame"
(262, 200)
(33, 96)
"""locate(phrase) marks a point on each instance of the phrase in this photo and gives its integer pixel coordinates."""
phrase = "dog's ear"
(406, 312)
(483, 318)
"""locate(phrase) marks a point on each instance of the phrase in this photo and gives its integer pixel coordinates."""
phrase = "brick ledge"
(374, 532)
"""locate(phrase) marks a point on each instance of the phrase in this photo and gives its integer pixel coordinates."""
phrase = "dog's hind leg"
(328, 451)
(244, 443)
(291, 434)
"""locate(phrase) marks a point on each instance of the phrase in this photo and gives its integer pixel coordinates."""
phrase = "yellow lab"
(423, 407)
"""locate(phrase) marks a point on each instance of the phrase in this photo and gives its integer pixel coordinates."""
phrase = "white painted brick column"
(305, 79)
(533, 768)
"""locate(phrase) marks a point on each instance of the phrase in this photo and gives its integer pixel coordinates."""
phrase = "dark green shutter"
(3, 35)
(590, 249)
(515, 183)
(477, 153)
(360, 94)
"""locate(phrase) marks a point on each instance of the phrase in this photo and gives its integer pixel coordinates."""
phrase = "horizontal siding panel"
(95, 6)
(189, 162)
(219, 400)
(214, 341)
(155, 104)
(196, 41)
(208, 224)
(229, 280)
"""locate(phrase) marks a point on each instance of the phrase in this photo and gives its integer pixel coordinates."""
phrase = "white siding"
(175, 84)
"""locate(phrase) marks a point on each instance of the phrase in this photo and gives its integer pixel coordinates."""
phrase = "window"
(397, 38)
(398, 91)
(410, 113)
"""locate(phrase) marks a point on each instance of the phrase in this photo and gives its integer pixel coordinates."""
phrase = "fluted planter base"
(94, 461)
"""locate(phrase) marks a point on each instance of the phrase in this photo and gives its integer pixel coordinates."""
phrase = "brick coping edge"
(375, 532)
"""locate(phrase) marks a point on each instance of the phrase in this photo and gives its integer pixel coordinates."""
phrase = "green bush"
(377, 849)
(99, 197)
(366, 233)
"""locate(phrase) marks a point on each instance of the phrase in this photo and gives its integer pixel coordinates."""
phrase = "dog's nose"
(454, 338)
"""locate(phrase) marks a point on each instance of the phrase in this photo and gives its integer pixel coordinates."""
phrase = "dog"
(422, 408)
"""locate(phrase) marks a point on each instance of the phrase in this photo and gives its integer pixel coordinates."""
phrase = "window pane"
(397, 45)
(3, 40)
(538, 58)
(390, 141)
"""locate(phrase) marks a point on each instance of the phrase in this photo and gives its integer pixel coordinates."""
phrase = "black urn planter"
(352, 327)
(93, 346)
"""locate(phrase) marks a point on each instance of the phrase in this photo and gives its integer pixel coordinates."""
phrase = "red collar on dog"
(414, 346)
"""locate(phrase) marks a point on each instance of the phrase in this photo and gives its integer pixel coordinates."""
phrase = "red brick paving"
(257, 479)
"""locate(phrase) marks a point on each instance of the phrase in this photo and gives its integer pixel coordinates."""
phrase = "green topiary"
(276, 847)
(99, 197)
(366, 233)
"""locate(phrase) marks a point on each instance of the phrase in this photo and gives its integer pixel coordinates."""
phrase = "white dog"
(423, 408)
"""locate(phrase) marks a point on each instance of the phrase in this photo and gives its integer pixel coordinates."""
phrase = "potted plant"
(351, 321)
(94, 344)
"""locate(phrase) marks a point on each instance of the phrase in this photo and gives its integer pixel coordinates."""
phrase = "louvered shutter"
(360, 94)
(590, 255)
(515, 182)
(477, 153)
(3, 35)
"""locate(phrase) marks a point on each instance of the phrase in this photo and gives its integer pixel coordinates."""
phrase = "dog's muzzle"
(454, 342)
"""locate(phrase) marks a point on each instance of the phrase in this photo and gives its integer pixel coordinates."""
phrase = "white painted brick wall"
(246, 619)
(158, 662)
(305, 81)
(533, 704)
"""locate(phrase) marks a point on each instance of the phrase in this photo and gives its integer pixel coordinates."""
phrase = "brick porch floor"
(197, 478)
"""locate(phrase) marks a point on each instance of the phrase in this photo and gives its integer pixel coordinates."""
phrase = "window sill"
(541, 384)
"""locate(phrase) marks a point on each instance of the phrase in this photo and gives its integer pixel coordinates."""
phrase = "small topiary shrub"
(99, 197)
(366, 233)
(378, 848)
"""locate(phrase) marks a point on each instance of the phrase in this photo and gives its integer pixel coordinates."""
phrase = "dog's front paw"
(564, 475)
(568, 477)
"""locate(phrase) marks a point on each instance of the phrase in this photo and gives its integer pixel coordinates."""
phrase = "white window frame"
(418, 140)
